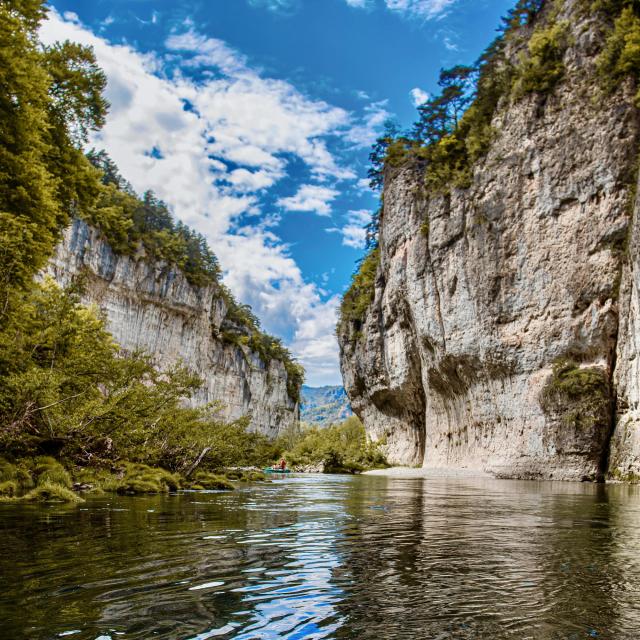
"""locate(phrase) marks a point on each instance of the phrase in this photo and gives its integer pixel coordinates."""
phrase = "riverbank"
(428, 472)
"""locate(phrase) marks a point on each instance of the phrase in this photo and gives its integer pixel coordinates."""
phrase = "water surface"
(328, 557)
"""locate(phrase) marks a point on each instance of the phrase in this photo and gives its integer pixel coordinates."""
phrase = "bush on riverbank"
(340, 448)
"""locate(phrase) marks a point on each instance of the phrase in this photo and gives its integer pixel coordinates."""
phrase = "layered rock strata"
(151, 306)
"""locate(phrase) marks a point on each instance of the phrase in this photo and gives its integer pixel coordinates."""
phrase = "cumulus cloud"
(418, 96)
(210, 147)
(354, 233)
(310, 197)
(365, 133)
(426, 9)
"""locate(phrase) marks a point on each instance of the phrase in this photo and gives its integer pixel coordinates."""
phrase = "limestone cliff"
(152, 306)
(503, 334)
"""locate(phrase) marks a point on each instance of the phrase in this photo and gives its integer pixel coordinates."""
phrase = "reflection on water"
(329, 557)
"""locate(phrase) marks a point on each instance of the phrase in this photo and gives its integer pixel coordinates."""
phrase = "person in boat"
(282, 465)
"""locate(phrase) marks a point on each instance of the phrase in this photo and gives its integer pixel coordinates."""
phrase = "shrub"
(360, 294)
(620, 57)
(340, 448)
(580, 396)
(540, 66)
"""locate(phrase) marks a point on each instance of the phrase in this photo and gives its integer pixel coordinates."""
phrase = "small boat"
(276, 470)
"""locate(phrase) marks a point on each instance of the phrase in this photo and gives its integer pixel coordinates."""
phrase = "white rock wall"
(519, 270)
(152, 306)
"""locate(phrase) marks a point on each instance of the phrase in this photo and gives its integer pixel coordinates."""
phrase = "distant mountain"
(323, 406)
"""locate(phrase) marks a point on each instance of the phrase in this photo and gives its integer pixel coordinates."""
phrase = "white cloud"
(449, 44)
(359, 4)
(418, 96)
(274, 5)
(354, 233)
(206, 52)
(310, 197)
(365, 133)
(427, 9)
(224, 139)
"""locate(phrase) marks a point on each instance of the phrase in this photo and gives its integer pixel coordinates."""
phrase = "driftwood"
(196, 464)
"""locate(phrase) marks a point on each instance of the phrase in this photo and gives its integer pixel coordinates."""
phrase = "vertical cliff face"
(152, 306)
(503, 332)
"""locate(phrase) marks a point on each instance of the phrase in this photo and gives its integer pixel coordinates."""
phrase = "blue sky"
(253, 120)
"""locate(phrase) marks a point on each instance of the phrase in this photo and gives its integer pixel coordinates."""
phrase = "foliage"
(64, 384)
(580, 395)
(360, 294)
(130, 223)
(50, 98)
(339, 448)
(379, 153)
(620, 57)
(540, 66)
(453, 128)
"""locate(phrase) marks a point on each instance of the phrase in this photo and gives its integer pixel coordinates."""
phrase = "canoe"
(276, 470)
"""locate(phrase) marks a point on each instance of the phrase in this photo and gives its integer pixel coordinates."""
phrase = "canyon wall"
(151, 306)
(503, 333)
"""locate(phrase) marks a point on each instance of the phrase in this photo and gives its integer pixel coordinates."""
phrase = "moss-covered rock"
(50, 492)
(579, 395)
(9, 489)
(212, 481)
(140, 478)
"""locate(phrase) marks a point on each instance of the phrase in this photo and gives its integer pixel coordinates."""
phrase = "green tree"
(379, 152)
(43, 174)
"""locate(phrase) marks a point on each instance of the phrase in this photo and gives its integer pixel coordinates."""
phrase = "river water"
(328, 557)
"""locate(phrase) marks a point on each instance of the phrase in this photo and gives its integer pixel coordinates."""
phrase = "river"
(328, 557)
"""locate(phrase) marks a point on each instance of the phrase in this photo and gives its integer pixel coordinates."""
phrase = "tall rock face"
(152, 306)
(504, 332)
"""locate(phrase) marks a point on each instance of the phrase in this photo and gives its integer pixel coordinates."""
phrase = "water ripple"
(329, 557)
